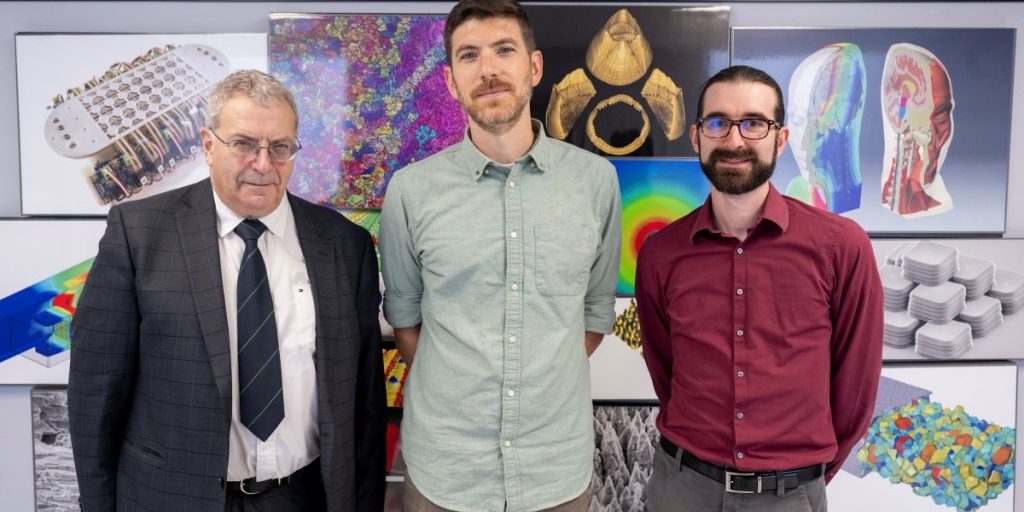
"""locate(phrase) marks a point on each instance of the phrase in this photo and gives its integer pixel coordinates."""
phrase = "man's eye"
(755, 123)
(243, 145)
(505, 49)
(715, 123)
(467, 56)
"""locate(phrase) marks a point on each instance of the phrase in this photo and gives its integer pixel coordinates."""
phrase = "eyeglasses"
(752, 128)
(280, 152)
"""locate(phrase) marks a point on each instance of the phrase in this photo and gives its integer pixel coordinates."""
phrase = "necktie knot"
(250, 230)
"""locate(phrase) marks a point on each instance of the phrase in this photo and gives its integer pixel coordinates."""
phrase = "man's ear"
(536, 67)
(449, 80)
(781, 140)
(207, 137)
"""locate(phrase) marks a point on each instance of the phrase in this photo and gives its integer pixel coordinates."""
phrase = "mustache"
(258, 178)
(732, 154)
(491, 85)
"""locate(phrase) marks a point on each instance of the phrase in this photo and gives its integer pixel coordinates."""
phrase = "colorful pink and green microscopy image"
(371, 97)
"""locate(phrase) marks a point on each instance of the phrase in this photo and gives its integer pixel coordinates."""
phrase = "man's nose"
(263, 163)
(733, 137)
(488, 65)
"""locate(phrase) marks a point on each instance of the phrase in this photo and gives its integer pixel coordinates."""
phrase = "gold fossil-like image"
(619, 55)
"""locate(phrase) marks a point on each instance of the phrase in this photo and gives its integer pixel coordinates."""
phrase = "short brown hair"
(483, 9)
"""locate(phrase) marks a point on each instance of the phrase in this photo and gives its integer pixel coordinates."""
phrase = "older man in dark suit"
(226, 350)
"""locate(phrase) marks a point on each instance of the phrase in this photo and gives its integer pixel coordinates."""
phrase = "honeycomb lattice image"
(138, 120)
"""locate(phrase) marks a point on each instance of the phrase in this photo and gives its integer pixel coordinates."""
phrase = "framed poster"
(906, 131)
(106, 118)
(39, 293)
(655, 192)
(980, 316)
(624, 81)
(371, 97)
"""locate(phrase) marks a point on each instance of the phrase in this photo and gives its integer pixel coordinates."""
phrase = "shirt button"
(508, 443)
(513, 234)
(515, 286)
(512, 184)
(739, 291)
(485, 171)
(511, 339)
(511, 392)
(740, 374)
(739, 415)
(739, 250)
(739, 455)
(739, 332)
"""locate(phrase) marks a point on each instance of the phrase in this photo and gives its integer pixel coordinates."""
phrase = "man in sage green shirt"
(500, 257)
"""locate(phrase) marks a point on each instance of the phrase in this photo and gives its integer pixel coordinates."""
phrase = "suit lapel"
(197, 227)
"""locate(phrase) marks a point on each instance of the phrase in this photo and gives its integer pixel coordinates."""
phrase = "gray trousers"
(677, 488)
(413, 501)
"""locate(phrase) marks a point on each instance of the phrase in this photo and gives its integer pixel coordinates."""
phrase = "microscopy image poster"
(371, 96)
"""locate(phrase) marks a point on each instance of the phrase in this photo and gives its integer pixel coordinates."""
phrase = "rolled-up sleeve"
(400, 264)
(599, 309)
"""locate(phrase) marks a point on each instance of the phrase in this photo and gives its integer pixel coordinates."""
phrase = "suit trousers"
(300, 495)
(677, 488)
(413, 501)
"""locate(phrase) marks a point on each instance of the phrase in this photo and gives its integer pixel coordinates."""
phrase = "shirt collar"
(774, 210)
(276, 221)
(475, 162)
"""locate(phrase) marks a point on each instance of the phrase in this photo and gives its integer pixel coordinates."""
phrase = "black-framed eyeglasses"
(280, 152)
(752, 128)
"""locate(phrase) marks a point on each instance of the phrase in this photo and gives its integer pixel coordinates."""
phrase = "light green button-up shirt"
(504, 268)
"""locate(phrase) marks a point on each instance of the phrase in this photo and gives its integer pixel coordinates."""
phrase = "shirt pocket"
(562, 259)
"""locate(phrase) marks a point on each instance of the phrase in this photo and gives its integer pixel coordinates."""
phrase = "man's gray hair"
(257, 85)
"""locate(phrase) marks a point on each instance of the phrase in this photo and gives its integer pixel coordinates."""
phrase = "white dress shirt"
(295, 443)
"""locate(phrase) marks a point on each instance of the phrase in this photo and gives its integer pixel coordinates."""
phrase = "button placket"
(515, 271)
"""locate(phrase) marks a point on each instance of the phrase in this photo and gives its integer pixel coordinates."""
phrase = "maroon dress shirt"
(765, 354)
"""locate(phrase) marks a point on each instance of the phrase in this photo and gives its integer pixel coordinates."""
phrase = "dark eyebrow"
(746, 115)
(502, 42)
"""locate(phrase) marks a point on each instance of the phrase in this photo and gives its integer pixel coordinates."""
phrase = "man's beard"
(501, 121)
(734, 181)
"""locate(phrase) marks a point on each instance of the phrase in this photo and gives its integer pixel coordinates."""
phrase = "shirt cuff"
(403, 309)
(599, 315)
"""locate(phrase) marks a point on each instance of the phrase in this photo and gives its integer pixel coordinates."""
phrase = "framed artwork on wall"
(39, 293)
(655, 192)
(371, 97)
(952, 298)
(623, 82)
(106, 118)
(906, 131)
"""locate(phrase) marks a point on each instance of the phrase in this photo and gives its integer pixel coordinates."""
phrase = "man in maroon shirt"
(762, 323)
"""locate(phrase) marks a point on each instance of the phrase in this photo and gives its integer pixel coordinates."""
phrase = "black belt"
(746, 482)
(251, 486)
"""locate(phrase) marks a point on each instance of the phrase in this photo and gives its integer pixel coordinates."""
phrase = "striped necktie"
(259, 360)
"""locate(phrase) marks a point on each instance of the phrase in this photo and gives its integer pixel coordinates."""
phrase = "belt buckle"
(728, 482)
(241, 487)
